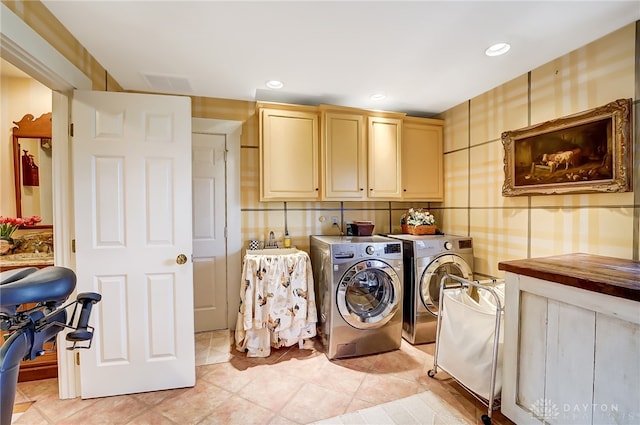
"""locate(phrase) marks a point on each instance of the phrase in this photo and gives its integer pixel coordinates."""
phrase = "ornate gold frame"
(587, 152)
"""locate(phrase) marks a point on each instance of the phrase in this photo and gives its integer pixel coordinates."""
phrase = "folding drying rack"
(458, 341)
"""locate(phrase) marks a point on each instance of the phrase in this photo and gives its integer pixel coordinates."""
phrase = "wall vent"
(168, 83)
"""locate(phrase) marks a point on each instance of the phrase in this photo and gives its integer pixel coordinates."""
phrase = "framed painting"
(587, 152)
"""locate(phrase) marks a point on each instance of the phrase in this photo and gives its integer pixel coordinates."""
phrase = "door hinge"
(77, 358)
(73, 245)
(71, 129)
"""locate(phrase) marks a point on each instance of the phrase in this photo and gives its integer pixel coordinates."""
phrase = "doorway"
(216, 223)
(208, 164)
(214, 145)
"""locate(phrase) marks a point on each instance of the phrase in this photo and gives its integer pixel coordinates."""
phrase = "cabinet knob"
(404, 190)
(361, 188)
(317, 189)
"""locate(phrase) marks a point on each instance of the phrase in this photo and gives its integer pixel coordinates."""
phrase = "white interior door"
(209, 231)
(132, 181)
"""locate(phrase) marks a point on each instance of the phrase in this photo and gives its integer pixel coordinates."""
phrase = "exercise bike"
(29, 329)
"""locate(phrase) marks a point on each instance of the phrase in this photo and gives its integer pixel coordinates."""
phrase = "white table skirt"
(277, 302)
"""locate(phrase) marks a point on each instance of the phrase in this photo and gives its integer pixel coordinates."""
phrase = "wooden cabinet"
(384, 143)
(422, 159)
(360, 154)
(571, 355)
(344, 161)
(337, 153)
(289, 161)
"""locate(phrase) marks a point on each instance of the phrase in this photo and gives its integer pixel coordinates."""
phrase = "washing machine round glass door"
(368, 294)
(432, 277)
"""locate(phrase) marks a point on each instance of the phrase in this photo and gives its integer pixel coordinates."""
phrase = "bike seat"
(15, 274)
(51, 284)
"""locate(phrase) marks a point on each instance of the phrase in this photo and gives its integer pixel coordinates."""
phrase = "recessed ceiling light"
(497, 49)
(378, 96)
(274, 84)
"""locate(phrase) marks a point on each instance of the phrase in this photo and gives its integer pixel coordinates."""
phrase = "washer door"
(433, 274)
(368, 294)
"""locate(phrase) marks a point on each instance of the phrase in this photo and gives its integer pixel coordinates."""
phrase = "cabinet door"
(570, 356)
(288, 155)
(422, 170)
(385, 150)
(344, 161)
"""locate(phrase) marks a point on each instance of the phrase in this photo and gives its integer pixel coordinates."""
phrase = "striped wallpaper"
(505, 228)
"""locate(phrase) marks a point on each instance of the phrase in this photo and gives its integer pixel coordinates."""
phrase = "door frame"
(232, 130)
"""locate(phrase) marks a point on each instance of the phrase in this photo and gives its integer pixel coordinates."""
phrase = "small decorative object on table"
(418, 222)
(360, 228)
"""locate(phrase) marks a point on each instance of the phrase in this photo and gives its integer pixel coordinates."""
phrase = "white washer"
(426, 259)
(358, 288)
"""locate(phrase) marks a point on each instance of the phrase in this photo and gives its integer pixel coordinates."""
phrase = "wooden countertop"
(605, 275)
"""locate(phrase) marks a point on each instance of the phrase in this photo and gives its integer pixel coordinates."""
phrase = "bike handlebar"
(82, 333)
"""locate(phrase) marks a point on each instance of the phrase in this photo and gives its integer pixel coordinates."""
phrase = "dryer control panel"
(465, 244)
(392, 248)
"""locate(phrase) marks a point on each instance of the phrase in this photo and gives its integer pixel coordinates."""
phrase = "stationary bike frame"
(29, 330)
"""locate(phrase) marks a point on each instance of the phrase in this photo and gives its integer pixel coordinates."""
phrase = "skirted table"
(277, 301)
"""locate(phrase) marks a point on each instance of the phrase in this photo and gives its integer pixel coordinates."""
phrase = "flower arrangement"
(418, 222)
(420, 217)
(8, 225)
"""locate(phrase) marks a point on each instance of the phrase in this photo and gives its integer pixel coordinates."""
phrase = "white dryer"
(358, 288)
(426, 259)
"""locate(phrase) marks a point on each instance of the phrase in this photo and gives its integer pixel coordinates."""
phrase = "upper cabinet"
(422, 159)
(344, 161)
(361, 154)
(384, 157)
(337, 153)
(289, 161)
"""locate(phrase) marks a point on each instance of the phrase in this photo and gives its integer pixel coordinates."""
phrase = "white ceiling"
(426, 56)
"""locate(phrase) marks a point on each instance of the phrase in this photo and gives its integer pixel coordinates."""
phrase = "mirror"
(32, 168)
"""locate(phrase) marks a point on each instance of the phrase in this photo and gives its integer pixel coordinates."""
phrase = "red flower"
(30, 221)
(8, 225)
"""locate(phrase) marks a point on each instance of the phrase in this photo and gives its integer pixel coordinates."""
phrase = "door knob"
(181, 259)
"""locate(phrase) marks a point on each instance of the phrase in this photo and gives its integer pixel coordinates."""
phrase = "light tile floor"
(212, 347)
(291, 386)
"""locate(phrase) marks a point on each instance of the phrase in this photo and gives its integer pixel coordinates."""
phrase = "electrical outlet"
(334, 220)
